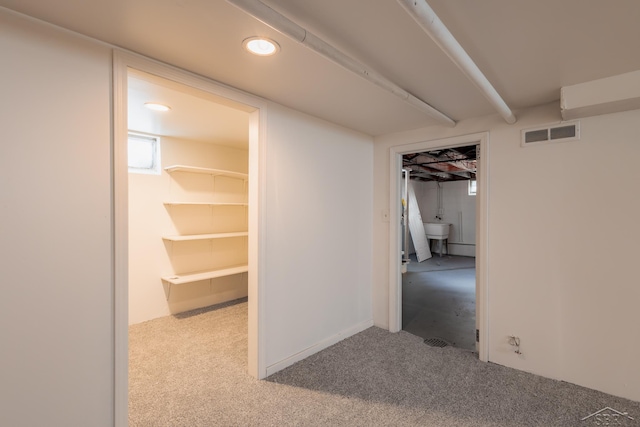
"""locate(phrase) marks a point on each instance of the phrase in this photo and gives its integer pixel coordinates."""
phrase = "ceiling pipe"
(422, 13)
(284, 25)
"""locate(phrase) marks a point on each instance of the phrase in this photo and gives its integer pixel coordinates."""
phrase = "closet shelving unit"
(205, 275)
(179, 279)
(203, 204)
(206, 171)
(188, 237)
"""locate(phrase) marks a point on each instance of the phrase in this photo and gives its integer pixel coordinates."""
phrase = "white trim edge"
(482, 227)
(120, 226)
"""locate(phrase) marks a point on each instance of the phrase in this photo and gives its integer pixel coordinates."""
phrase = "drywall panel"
(151, 257)
(548, 281)
(416, 227)
(56, 310)
(318, 248)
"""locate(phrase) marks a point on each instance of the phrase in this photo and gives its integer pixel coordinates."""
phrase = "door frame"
(257, 108)
(482, 228)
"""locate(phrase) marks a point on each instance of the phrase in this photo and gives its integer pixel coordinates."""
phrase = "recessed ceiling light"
(156, 106)
(261, 46)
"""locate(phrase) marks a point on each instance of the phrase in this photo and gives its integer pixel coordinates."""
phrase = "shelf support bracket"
(167, 289)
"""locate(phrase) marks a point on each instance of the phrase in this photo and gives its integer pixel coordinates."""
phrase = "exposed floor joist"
(450, 164)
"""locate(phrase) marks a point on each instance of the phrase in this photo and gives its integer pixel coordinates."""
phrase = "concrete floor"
(439, 299)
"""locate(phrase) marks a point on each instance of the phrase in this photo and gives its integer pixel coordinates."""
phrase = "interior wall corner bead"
(284, 25)
(425, 16)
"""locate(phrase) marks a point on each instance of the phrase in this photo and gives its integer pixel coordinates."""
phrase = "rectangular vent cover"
(567, 131)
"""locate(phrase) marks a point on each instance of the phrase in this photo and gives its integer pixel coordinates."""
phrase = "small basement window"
(144, 154)
(473, 186)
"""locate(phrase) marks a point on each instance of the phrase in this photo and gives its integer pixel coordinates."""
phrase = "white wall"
(56, 229)
(319, 223)
(557, 279)
(150, 257)
(458, 209)
(56, 309)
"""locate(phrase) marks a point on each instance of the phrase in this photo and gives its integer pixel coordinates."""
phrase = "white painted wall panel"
(552, 280)
(417, 233)
(319, 221)
(56, 309)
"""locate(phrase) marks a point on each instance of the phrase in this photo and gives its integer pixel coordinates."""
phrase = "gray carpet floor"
(190, 370)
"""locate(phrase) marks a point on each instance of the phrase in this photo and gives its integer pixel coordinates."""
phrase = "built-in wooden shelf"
(188, 237)
(206, 171)
(204, 204)
(179, 279)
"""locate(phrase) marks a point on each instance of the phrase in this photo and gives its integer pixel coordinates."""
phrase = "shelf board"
(204, 204)
(205, 236)
(206, 171)
(179, 279)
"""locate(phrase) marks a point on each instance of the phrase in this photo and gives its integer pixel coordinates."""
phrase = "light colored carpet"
(191, 371)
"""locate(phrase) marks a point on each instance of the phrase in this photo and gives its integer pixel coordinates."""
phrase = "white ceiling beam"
(422, 13)
(603, 96)
(284, 25)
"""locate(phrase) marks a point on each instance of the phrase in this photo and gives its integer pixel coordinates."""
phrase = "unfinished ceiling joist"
(422, 13)
(449, 164)
(284, 25)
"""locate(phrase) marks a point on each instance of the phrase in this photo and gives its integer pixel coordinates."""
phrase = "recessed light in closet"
(156, 106)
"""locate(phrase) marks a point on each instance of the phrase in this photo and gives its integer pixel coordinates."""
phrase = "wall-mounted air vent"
(566, 131)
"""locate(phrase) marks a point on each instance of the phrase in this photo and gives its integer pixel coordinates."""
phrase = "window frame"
(472, 189)
(156, 168)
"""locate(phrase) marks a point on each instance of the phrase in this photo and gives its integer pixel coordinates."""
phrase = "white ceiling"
(527, 49)
(194, 115)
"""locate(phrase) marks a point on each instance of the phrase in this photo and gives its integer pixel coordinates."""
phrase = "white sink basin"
(437, 230)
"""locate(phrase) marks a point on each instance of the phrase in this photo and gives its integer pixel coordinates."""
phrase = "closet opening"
(187, 232)
(188, 240)
(188, 199)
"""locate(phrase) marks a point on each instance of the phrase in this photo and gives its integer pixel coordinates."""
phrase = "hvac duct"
(422, 13)
(284, 25)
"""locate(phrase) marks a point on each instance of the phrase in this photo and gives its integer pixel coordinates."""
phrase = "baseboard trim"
(462, 249)
(272, 369)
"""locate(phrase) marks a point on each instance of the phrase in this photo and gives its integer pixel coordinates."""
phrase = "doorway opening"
(188, 233)
(194, 222)
(481, 141)
(188, 205)
(438, 274)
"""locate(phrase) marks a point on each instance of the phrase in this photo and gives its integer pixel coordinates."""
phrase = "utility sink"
(437, 230)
